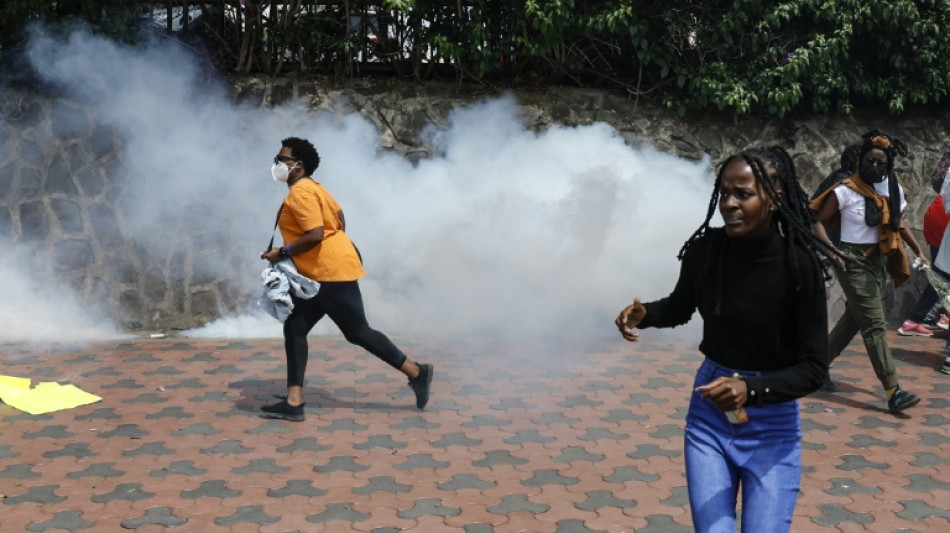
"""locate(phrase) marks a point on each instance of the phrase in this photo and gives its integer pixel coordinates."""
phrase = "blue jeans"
(763, 456)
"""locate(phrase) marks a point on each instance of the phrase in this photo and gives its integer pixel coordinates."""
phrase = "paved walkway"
(556, 437)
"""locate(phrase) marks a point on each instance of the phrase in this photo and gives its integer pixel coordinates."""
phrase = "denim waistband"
(719, 369)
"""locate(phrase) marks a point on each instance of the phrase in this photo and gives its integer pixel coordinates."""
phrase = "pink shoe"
(944, 322)
(909, 327)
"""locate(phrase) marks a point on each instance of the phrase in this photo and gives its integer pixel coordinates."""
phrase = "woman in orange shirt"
(312, 226)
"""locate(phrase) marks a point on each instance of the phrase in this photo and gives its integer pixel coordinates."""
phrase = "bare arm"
(911, 241)
(827, 212)
(306, 242)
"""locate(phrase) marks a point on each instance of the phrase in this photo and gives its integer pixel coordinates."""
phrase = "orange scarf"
(889, 242)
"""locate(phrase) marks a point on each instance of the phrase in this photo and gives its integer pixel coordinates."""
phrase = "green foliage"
(742, 56)
(118, 19)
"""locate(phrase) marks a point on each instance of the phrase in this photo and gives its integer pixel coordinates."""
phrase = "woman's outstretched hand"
(629, 318)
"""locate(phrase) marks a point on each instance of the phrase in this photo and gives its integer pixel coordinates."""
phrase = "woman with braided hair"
(869, 205)
(758, 283)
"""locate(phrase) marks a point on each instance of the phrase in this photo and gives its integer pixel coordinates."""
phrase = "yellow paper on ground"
(12, 388)
(49, 397)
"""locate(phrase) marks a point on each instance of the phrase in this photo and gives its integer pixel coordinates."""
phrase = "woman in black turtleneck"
(758, 283)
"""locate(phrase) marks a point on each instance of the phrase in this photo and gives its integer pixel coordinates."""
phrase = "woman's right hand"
(838, 258)
(629, 318)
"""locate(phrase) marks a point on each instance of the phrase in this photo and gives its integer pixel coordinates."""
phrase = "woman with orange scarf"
(869, 205)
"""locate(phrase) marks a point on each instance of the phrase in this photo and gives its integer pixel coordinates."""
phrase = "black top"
(762, 322)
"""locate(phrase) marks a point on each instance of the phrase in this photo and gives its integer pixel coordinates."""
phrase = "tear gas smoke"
(503, 232)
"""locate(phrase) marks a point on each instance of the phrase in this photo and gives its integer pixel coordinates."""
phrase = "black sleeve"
(810, 316)
(677, 308)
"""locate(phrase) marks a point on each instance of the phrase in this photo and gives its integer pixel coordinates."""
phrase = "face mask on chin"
(281, 172)
(873, 175)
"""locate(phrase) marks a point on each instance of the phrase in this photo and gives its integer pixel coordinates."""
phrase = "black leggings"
(342, 301)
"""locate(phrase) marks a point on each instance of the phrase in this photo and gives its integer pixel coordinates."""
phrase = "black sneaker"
(901, 400)
(828, 385)
(945, 369)
(283, 411)
(420, 385)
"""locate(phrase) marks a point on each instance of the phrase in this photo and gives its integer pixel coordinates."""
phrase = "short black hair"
(303, 151)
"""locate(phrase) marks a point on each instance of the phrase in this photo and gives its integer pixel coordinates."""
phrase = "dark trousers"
(928, 298)
(863, 285)
(343, 303)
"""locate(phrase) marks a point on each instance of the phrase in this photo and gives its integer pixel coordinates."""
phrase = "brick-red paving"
(542, 437)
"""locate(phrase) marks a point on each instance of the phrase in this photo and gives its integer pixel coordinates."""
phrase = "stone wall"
(62, 179)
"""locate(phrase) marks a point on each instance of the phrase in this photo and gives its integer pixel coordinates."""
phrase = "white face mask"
(280, 171)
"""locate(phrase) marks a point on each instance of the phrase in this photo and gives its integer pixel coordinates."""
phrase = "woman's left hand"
(272, 255)
(924, 262)
(727, 393)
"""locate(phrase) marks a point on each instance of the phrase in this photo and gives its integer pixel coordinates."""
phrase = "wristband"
(282, 252)
(287, 247)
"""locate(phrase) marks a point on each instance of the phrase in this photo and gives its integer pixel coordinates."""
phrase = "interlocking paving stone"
(421, 460)
(466, 481)
(199, 428)
(844, 486)
(304, 443)
(646, 451)
(247, 514)
(68, 520)
(337, 511)
(382, 484)
(170, 412)
(262, 465)
(124, 491)
(415, 422)
(598, 499)
(594, 426)
(102, 413)
(623, 474)
(661, 523)
(43, 494)
(299, 487)
(73, 449)
(183, 467)
(211, 489)
(339, 463)
(104, 470)
(150, 448)
(857, 462)
(499, 457)
(917, 510)
(227, 446)
(454, 439)
(161, 516)
(6, 452)
(517, 502)
(20, 471)
(55, 431)
(129, 431)
(429, 507)
(833, 515)
(928, 459)
(577, 453)
(380, 441)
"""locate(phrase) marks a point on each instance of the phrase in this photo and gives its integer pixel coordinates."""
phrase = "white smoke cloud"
(504, 232)
(43, 309)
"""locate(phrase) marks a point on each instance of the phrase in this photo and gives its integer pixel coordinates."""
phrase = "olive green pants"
(863, 286)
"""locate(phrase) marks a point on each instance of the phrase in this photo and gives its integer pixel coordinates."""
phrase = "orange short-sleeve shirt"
(308, 206)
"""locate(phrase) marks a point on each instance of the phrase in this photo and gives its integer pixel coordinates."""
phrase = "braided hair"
(774, 170)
